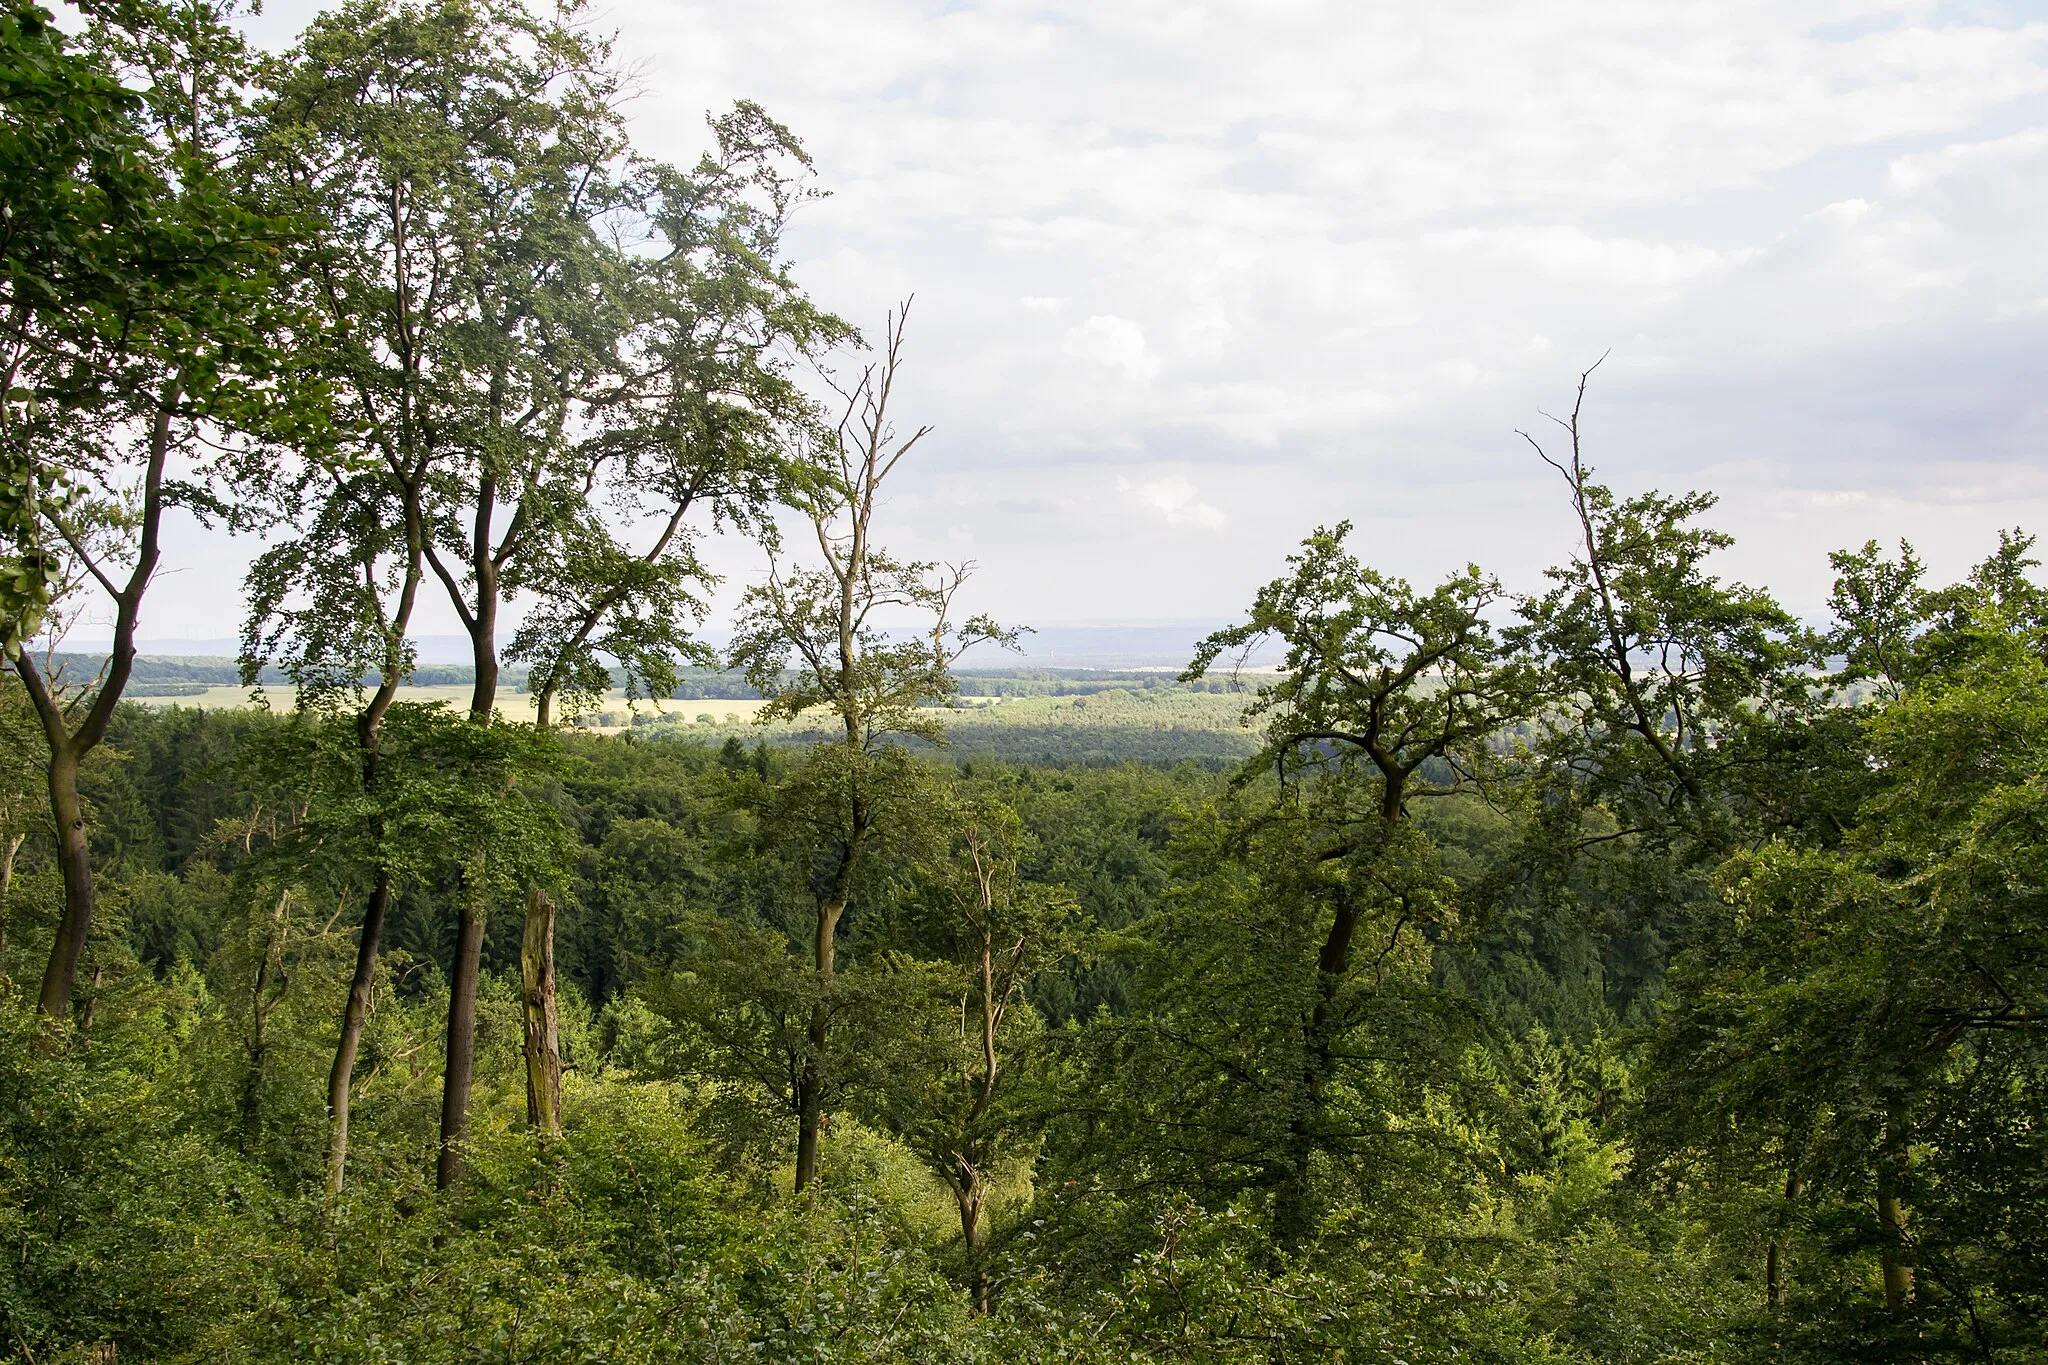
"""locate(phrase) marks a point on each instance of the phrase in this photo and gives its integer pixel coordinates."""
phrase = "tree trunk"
(483, 637)
(74, 859)
(970, 1192)
(461, 1068)
(68, 746)
(92, 997)
(261, 1003)
(1776, 1280)
(811, 1080)
(341, 1077)
(543, 1048)
(1898, 1276)
(1892, 1217)
(1293, 1203)
(6, 888)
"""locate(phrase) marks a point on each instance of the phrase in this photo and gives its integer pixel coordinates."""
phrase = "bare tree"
(815, 639)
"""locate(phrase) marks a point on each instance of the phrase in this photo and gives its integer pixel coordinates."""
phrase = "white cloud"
(1173, 498)
(1914, 173)
(1115, 342)
(1341, 251)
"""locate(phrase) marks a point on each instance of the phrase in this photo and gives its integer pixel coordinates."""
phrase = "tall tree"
(1386, 695)
(1868, 1014)
(333, 601)
(817, 639)
(140, 295)
(566, 360)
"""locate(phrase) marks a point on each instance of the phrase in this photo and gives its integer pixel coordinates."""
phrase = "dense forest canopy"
(1608, 969)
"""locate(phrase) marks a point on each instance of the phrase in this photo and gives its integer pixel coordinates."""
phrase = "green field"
(515, 706)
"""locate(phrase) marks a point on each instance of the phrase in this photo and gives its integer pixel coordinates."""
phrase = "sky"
(1194, 278)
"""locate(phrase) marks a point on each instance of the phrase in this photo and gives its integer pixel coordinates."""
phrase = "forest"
(1612, 968)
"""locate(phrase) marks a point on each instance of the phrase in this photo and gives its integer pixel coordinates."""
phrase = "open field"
(514, 706)
(1154, 725)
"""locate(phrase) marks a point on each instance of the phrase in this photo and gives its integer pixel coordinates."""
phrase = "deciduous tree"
(142, 324)
(816, 639)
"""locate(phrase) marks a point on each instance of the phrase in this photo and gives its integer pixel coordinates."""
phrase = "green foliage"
(1854, 1001)
(1612, 983)
(1656, 670)
(1380, 673)
(138, 281)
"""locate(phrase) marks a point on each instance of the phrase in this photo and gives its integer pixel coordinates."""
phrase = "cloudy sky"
(1194, 277)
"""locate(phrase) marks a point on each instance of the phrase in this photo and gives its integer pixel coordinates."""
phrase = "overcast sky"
(1194, 278)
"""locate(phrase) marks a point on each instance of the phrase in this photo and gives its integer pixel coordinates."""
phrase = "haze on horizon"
(1192, 279)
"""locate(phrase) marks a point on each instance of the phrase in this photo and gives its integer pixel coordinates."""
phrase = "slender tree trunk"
(461, 1068)
(483, 643)
(6, 888)
(1898, 1276)
(543, 1048)
(1777, 1282)
(75, 862)
(970, 1192)
(1892, 1217)
(69, 746)
(355, 1014)
(92, 997)
(261, 1003)
(811, 1081)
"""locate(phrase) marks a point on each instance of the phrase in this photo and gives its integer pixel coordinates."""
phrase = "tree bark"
(369, 738)
(6, 888)
(341, 1076)
(1898, 1276)
(811, 1080)
(261, 1003)
(543, 1047)
(1293, 1203)
(1892, 1217)
(68, 746)
(75, 862)
(970, 1192)
(461, 1068)
(1776, 1279)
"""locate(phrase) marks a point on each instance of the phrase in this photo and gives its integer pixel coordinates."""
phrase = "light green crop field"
(515, 706)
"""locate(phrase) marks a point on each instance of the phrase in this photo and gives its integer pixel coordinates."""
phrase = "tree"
(549, 343)
(1869, 1013)
(814, 639)
(1386, 695)
(1656, 669)
(140, 296)
(334, 603)
(696, 433)
(983, 935)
